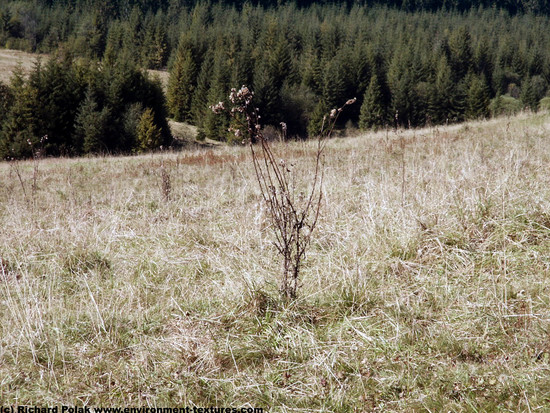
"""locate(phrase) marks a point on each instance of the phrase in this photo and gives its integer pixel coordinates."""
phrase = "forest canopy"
(408, 62)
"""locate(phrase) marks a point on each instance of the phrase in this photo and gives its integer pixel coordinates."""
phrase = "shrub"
(505, 105)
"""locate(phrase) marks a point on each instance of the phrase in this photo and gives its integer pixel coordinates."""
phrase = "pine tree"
(318, 120)
(19, 126)
(199, 102)
(461, 55)
(529, 95)
(215, 126)
(182, 83)
(91, 126)
(272, 70)
(400, 85)
(155, 46)
(478, 99)
(148, 134)
(114, 43)
(373, 112)
(334, 84)
(483, 61)
(441, 101)
(6, 101)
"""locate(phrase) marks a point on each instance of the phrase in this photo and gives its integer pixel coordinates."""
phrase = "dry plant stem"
(15, 167)
(166, 183)
(293, 215)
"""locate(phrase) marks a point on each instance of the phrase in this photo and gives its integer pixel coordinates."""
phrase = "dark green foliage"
(215, 126)
(273, 68)
(373, 113)
(148, 134)
(460, 53)
(6, 100)
(529, 95)
(91, 126)
(19, 124)
(445, 100)
(504, 105)
(82, 108)
(479, 95)
(182, 83)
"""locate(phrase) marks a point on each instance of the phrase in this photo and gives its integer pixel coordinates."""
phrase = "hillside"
(408, 63)
(152, 280)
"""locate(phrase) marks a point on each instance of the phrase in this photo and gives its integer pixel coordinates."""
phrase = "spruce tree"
(272, 70)
(214, 125)
(334, 84)
(461, 55)
(318, 120)
(440, 104)
(478, 99)
(91, 126)
(148, 133)
(373, 112)
(199, 101)
(6, 101)
(182, 83)
(19, 126)
(528, 95)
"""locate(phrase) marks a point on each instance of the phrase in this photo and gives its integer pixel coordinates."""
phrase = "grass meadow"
(153, 281)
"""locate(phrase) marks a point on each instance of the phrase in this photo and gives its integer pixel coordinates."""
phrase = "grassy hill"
(152, 280)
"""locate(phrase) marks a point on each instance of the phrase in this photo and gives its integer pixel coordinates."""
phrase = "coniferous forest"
(410, 63)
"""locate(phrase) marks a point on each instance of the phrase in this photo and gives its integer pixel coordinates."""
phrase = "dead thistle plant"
(37, 154)
(166, 184)
(293, 204)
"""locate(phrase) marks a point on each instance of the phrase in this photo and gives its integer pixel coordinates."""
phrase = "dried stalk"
(293, 215)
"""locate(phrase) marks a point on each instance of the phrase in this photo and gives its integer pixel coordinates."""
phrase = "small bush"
(544, 103)
(505, 105)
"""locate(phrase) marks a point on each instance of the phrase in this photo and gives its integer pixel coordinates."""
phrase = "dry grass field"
(11, 59)
(426, 287)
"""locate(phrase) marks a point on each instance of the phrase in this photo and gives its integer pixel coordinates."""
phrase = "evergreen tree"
(18, 131)
(461, 55)
(155, 45)
(478, 98)
(91, 126)
(6, 101)
(318, 121)
(148, 134)
(529, 95)
(312, 73)
(444, 99)
(199, 102)
(373, 113)
(272, 70)
(483, 62)
(400, 85)
(215, 126)
(182, 83)
(334, 84)
(59, 95)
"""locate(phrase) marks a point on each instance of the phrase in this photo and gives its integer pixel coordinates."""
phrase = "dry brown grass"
(11, 59)
(426, 287)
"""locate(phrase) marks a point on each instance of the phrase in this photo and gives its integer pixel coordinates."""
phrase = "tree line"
(73, 108)
(408, 62)
(406, 69)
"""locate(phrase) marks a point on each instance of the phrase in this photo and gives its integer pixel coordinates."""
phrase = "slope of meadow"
(152, 280)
